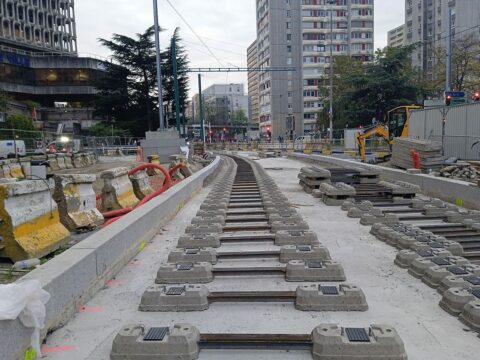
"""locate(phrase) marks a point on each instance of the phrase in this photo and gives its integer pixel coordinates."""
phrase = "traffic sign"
(455, 94)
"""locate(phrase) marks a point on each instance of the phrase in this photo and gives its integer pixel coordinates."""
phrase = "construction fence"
(456, 127)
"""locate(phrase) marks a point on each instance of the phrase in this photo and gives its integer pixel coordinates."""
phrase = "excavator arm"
(379, 129)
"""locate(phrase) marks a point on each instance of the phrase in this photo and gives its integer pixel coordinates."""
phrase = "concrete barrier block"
(303, 252)
(61, 161)
(141, 184)
(194, 241)
(78, 160)
(454, 299)
(117, 192)
(470, 315)
(16, 171)
(286, 237)
(193, 255)
(52, 162)
(185, 273)
(198, 229)
(344, 297)
(31, 223)
(313, 270)
(76, 202)
(69, 161)
(135, 341)
(175, 298)
(375, 342)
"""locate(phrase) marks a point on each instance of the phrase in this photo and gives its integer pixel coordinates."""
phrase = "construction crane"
(396, 125)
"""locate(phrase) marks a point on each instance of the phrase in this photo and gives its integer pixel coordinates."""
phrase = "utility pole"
(448, 85)
(175, 83)
(331, 2)
(159, 68)
(202, 120)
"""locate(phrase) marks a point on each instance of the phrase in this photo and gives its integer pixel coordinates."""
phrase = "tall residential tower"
(299, 34)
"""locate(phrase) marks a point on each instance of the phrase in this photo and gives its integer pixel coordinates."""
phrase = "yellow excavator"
(396, 125)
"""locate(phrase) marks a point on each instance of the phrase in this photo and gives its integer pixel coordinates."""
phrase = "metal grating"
(357, 335)
(184, 266)
(304, 248)
(476, 293)
(457, 270)
(156, 334)
(329, 290)
(296, 233)
(474, 280)
(175, 290)
(440, 261)
(192, 251)
(314, 264)
(425, 253)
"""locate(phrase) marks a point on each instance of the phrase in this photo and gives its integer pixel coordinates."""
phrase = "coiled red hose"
(117, 214)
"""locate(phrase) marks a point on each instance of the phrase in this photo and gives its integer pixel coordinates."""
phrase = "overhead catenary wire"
(194, 32)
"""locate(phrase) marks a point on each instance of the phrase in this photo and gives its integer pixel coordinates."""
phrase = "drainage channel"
(247, 229)
(438, 242)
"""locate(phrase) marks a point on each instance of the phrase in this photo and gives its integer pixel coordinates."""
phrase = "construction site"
(250, 254)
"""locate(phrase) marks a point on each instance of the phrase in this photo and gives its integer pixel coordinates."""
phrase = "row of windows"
(44, 77)
(354, 35)
(338, 2)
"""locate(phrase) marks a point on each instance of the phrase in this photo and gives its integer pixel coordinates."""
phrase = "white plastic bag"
(26, 301)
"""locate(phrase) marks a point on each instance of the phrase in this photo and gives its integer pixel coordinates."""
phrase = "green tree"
(104, 130)
(4, 101)
(388, 82)
(239, 118)
(137, 56)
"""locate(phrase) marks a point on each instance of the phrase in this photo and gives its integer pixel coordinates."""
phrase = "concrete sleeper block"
(458, 281)
(207, 220)
(212, 228)
(405, 258)
(433, 276)
(455, 299)
(344, 297)
(286, 237)
(194, 241)
(289, 225)
(303, 252)
(178, 342)
(185, 273)
(193, 255)
(175, 298)
(314, 270)
(420, 266)
(470, 315)
(331, 341)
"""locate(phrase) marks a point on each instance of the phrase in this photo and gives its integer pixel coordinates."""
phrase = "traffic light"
(224, 129)
(448, 100)
(476, 96)
(210, 132)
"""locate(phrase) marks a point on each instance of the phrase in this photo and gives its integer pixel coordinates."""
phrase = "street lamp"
(331, 2)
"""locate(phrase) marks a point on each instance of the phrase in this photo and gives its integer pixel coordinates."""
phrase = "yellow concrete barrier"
(30, 223)
(76, 201)
(117, 192)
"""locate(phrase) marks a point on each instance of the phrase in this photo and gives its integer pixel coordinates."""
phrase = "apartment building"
(396, 37)
(224, 100)
(38, 25)
(426, 24)
(300, 34)
(253, 94)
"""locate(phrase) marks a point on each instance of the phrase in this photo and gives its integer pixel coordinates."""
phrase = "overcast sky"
(226, 26)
